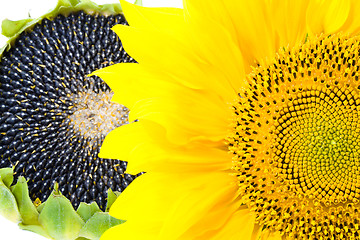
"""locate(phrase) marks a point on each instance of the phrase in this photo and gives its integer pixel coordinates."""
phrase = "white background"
(20, 9)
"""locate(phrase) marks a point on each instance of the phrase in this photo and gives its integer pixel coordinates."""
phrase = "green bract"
(55, 218)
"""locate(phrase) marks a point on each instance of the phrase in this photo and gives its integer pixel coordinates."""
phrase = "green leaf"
(86, 211)
(59, 218)
(98, 224)
(7, 176)
(27, 209)
(8, 205)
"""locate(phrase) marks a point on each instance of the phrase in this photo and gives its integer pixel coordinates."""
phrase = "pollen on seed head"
(296, 138)
(94, 115)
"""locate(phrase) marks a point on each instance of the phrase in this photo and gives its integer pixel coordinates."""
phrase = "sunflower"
(53, 119)
(248, 121)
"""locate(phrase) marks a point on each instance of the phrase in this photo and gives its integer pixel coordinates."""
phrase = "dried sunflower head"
(54, 117)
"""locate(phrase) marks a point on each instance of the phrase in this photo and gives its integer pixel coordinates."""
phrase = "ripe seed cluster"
(46, 97)
(296, 137)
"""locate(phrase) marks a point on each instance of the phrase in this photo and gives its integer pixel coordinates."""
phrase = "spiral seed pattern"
(52, 114)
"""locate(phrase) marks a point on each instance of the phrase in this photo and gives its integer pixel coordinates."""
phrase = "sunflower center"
(95, 115)
(316, 144)
(296, 140)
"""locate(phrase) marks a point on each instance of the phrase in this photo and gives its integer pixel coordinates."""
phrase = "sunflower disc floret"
(296, 142)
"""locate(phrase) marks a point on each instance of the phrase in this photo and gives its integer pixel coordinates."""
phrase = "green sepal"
(8, 205)
(111, 197)
(74, 2)
(105, 9)
(54, 218)
(86, 211)
(98, 224)
(10, 28)
(40, 207)
(59, 218)
(7, 176)
(28, 211)
(34, 228)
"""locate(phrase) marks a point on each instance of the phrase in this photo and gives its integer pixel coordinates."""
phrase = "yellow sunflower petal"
(268, 235)
(327, 16)
(215, 54)
(274, 236)
(185, 59)
(193, 206)
(289, 21)
(213, 222)
(352, 23)
(139, 143)
(207, 112)
(200, 118)
(201, 51)
(136, 75)
(148, 52)
(131, 231)
(239, 226)
(162, 19)
(247, 21)
(189, 198)
(130, 204)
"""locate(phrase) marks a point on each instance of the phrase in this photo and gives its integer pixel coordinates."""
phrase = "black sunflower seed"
(51, 113)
